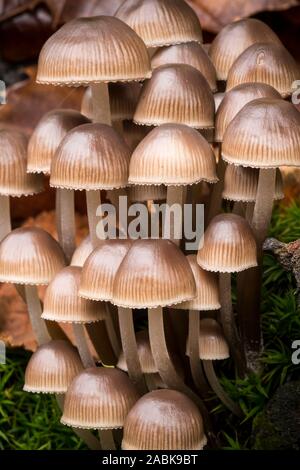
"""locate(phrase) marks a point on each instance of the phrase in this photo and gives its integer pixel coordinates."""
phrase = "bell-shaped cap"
(31, 256)
(52, 367)
(234, 39)
(161, 22)
(91, 157)
(144, 353)
(266, 63)
(173, 154)
(47, 136)
(99, 270)
(82, 252)
(207, 287)
(176, 93)
(154, 273)
(212, 343)
(62, 303)
(192, 54)
(164, 420)
(264, 134)
(228, 245)
(14, 179)
(240, 184)
(99, 398)
(93, 50)
(147, 193)
(235, 99)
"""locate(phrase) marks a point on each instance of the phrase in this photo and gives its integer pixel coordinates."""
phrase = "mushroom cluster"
(150, 316)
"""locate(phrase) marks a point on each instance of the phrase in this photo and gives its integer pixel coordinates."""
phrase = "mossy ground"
(29, 421)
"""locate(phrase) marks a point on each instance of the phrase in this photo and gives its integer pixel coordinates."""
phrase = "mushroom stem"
(164, 363)
(194, 352)
(107, 439)
(111, 331)
(98, 335)
(35, 313)
(239, 208)
(216, 194)
(65, 220)
(5, 221)
(175, 195)
(228, 320)
(90, 440)
(264, 204)
(101, 104)
(130, 348)
(93, 201)
(82, 345)
(249, 212)
(218, 389)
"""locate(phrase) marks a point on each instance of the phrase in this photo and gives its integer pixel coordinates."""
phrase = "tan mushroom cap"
(264, 134)
(99, 270)
(91, 157)
(123, 100)
(266, 63)
(93, 50)
(207, 289)
(144, 353)
(154, 273)
(14, 179)
(47, 136)
(176, 93)
(234, 39)
(212, 342)
(192, 54)
(173, 154)
(235, 99)
(62, 303)
(161, 22)
(29, 255)
(240, 184)
(52, 367)
(82, 252)
(228, 245)
(99, 398)
(148, 193)
(164, 420)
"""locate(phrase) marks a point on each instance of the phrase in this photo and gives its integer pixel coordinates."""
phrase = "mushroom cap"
(91, 157)
(264, 134)
(207, 287)
(93, 50)
(176, 93)
(29, 255)
(240, 184)
(99, 398)
(234, 39)
(161, 22)
(47, 136)
(154, 273)
(147, 193)
(173, 154)
(82, 252)
(99, 270)
(123, 100)
(62, 303)
(164, 420)
(144, 354)
(192, 54)
(235, 99)
(14, 179)
(228, 245)
(212, 343)
(52, 367)
(266, 63)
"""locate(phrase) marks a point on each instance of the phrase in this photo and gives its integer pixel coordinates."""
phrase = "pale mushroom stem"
(216, 194)
(194, 352)
(249, 212)
(129, 347)
(218, 389)
(111, 331)
(164, 362)
(93, 201)
(5, 221)
(35, 313)
(228, 320)
(107, 439)
(65, 220)
(239, 208)
(98, 335)
(264, 204)
(175, 195)
(82, 345)
(101, 104)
